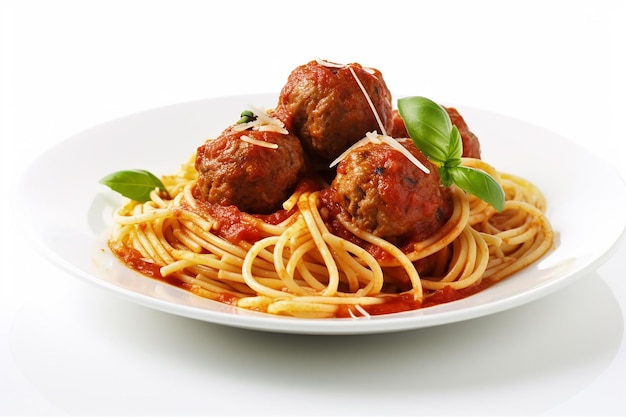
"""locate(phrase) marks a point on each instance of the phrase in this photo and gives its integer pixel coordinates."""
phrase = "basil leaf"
(431, 129)
(478, 183)
(136, 184)
(429, 125)
(455, 147)
(446, 178)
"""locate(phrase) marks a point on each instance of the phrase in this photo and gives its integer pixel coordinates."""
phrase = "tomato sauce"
(233, 225)
(227, 299)
(406, 302)
(236, 226)
(134, 260)
(402, 302)
(448, 294)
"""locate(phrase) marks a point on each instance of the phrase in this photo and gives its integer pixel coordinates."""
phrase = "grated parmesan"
(374, 137)
(369, 101)
(364, 313)
(263, 123)
(257, 142)
(335, 65)
(397, 146)
(330, 64)
(367, 139)
(383, 137)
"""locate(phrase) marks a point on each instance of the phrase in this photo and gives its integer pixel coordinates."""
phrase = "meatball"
(471, 145)
(255, 178)
(389, 196)
(323, 105)
(398, 128)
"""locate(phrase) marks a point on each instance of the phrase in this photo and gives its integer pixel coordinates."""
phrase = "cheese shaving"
(397, 146)
(369, 137)
(369, 101)
(387, 139)
(364, 313)
(257, 142)
(335, 65)
(263, 122)
(373, 137)
(330, 64)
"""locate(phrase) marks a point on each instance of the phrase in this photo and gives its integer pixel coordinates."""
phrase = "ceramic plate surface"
(586, 206)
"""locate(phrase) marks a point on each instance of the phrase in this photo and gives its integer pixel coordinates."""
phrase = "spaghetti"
(310, 257)
(300, 268)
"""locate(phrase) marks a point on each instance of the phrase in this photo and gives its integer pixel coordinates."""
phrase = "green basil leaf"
(429, 125)
(444, 174)
(431, 129)
(478, 183)
(455, 147)
(136, 184)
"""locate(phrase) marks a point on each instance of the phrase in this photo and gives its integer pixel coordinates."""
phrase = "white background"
(68, 348)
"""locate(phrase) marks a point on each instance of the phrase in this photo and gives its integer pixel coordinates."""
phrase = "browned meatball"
(471, 144)
(398, 128)
(389, 196)
(255, 178)
(324, 106)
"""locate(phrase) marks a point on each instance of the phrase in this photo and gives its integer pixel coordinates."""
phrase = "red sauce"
(448, 294)
(403, 302)
(236, 226)
(134, 260)
(406, 301)
(227, 299)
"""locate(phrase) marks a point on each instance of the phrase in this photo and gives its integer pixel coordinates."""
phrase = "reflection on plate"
(586, 202)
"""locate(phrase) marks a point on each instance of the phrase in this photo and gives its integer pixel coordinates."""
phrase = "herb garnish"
(429, 125)
(136, 184)
(246, 116)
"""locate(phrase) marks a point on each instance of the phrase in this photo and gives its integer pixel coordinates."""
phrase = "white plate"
(69, 211)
